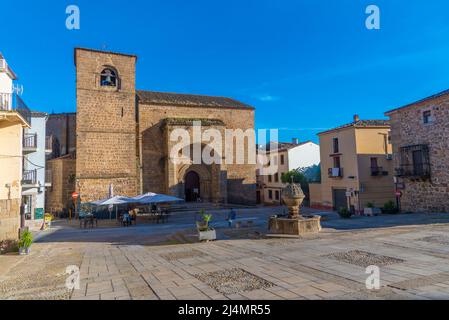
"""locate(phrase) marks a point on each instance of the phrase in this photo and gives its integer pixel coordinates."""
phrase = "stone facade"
(9, 219)
(233, 183)
(410, 129)
(62, 128)
(59, 195)
(123, 136)
(105, 126)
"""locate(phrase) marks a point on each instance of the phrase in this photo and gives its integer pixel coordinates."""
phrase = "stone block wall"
(241, 179)
(9, 219)
(59, 195)
(62, 127)
(407, 128)
(106, 126)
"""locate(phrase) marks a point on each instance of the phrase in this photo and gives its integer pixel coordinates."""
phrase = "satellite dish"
(18, 89)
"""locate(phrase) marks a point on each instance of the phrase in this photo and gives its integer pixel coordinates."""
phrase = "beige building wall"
(373, 143)
(11, 131)
(348, 160)
(316, 198)
(357, 145)
(270, 183)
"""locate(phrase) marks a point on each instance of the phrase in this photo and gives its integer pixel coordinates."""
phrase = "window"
(336, 146)
(427, 117)
(415, 162)
(282, 159)
(276, 177)
(374, 163)
(108, 78)
(270, 179)
(337, 163)
(270, 194)
(277, 195)
(375, 169)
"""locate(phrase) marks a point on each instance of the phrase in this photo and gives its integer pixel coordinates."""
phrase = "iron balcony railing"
(30, 141)
(378, 171)
(335, 172)
(415, 162)
(414, 171)
(12, 102)
(29, 177)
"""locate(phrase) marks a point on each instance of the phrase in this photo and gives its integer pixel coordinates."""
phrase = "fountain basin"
(294, 226)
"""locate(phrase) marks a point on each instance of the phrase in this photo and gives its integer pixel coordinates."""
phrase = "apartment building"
(284, 157)
(36, 177)
(14, 118)
(356, 166)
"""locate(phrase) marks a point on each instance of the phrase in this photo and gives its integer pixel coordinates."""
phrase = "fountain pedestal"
(294, 224)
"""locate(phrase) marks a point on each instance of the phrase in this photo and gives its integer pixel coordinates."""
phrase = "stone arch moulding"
(205, 175)
(98, 79)
(202, 170)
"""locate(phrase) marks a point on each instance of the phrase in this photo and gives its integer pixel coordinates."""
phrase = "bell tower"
(106, 124)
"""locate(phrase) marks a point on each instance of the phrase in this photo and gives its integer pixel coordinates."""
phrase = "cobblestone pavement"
(413, 261)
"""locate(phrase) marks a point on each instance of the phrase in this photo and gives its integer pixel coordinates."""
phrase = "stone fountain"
(294, 223)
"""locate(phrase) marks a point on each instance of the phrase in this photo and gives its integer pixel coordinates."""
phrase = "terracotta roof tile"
(178, 99)
(361, 124)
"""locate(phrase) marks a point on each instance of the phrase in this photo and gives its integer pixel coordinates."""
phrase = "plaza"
(164, 262)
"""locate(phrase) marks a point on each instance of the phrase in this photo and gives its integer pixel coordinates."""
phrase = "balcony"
(335, 172)
(415, 162)
(29, 143)
(419, 171)
(378, 172)
(29, 179)
(12, 102)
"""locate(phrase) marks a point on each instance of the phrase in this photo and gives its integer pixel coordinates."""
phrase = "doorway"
(339, 198)
(192, 186)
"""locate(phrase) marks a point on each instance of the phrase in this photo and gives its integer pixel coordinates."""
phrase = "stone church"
(123, 137)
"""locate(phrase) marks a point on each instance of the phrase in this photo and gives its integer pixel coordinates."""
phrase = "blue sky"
(306, 65)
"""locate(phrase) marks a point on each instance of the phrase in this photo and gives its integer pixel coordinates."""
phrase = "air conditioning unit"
(389, 157)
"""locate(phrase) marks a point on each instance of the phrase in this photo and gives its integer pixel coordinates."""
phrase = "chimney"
(356, 118)
(295, 141)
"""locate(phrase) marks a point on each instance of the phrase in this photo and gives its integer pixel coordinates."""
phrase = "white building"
(7, 76)
(287, 157)
(36, 146)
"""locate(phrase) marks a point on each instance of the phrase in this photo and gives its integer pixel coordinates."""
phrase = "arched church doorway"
(192, 186)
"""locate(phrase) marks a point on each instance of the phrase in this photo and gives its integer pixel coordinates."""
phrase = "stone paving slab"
(413, 261)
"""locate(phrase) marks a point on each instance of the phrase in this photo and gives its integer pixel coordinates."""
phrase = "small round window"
(108, 78)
